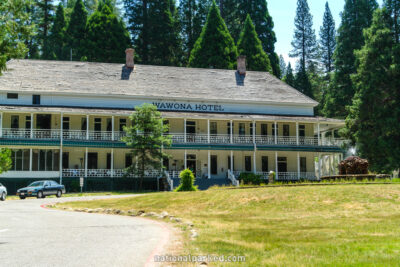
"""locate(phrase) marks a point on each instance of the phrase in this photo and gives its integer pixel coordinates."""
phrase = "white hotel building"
(64, 120)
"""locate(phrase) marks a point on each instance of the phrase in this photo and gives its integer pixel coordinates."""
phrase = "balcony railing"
(105, 173)
(177, 138)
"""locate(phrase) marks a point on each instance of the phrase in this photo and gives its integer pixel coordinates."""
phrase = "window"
(36, 99)
(303, 164)
(83, 124)
(264, 164)
(247, 163)
(27, 122)
(242, 129)
(65, 160)
(213, 128)
(228, 128)
(108, 161)
(122, 124)
(302, 130)
(128, 160)
(264, 129)
(214, 165)
(12, 96)
(66, 123)
(14, 122)
(97, 124)
(109, 125)
(282, 164)
(286, 130)
(251, 128)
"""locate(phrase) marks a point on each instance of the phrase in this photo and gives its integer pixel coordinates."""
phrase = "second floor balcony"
(177, 138)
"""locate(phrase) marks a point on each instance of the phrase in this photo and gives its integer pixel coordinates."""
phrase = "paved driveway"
(34, 236)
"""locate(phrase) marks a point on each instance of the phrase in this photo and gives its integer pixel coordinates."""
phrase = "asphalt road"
(34, 236)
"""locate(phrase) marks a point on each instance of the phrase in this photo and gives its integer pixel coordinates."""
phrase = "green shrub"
(187, 181)
(250, 178)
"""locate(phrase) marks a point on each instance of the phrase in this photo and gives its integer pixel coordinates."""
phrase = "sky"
(283, 13)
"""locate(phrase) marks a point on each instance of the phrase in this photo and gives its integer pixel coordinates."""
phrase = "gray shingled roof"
(147, 81)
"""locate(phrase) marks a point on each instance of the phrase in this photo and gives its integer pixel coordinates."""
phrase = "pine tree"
(107, 37)
(164, 47)
(289, 78)
(229, 13)
(250, 46)
(327, 39)
(282, 66)
(302, 81)
(356, 16)
(304, 42)
(215, 47)
(46, 18)
(32, 42)
(373, 119)
(57, 37)
(76, 31)
(193, 15)
(258, 11)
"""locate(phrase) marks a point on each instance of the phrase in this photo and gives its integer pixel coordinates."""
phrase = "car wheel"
(59, 193)
(3, 196)
(40, 194)
(21, 197)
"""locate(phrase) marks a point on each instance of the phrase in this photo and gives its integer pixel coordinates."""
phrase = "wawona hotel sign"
(188, 107)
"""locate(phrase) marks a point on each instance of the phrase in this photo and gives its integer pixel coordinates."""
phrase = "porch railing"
(177, 138)
(105, 173)
(232, 178)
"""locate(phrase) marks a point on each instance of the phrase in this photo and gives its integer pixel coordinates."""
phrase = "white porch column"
(87, 127)
(61, 168)
(208, 131)
(61, 128)
(185, 160)
(254, 132)
(276, 165)
(318, 133)
(112, 129)
(184, 133)
(276, 132)
(330, 165)
(86, 162)
(112, 162)
(1, 124)
(31, 125)
(209, 164)
(30, 159)
(297, 133)
(232, 161)
(298, 165)
(319, 165)
(231, 131)
(254, 161)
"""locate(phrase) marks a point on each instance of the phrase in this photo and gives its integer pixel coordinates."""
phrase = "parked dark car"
(41, 189)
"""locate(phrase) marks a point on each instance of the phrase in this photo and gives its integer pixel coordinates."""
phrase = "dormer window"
(36, 99)
(12, 96)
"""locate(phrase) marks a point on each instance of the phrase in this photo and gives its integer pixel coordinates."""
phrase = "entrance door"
(264, 164)
(92, 161)
(190, 131)
(302, 133)
(214, 165)
(282, 164)
(43, 121)
(247, 163)
(65, 160)
(191, 163)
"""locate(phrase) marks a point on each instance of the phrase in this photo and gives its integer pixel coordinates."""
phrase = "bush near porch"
(327, 225)
(248, 178)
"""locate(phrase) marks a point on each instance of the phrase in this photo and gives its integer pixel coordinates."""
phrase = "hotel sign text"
(188, 107)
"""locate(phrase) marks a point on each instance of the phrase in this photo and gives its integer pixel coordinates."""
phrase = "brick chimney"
(241, 65)
(130, 53)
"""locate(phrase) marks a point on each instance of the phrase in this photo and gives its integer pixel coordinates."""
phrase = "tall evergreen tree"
(302, 81)
(356, 16)
(262, 20)
(215, 47)
(289, 78)
(76, 30)
(193, 15)
(107, 36)
(164, 47)
(250, 46)
(136, 13)
(374, 117)
(327, 39)
(46, 18)
(282, 66)
(304, 42)
(32, 42)
(57, 37)
(229, 13)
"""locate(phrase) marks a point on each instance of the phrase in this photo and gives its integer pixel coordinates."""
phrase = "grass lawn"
(341, 225)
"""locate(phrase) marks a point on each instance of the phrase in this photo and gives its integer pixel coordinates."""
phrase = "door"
(191, 163)
(14, 122)
(286, 131)
(214, 165)
(108, 161)
(264, 129)
(28, 124)
(303, 164)
(65, 160)
(97, 128)
(264, 164)
(43, 121)
(92, 161)
(190, 131)
(302, 133)
(282, 164)
(247, 163)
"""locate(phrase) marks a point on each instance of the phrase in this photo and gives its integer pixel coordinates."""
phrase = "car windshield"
(36, 184)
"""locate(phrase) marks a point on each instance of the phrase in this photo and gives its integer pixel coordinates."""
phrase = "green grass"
(341, 225)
